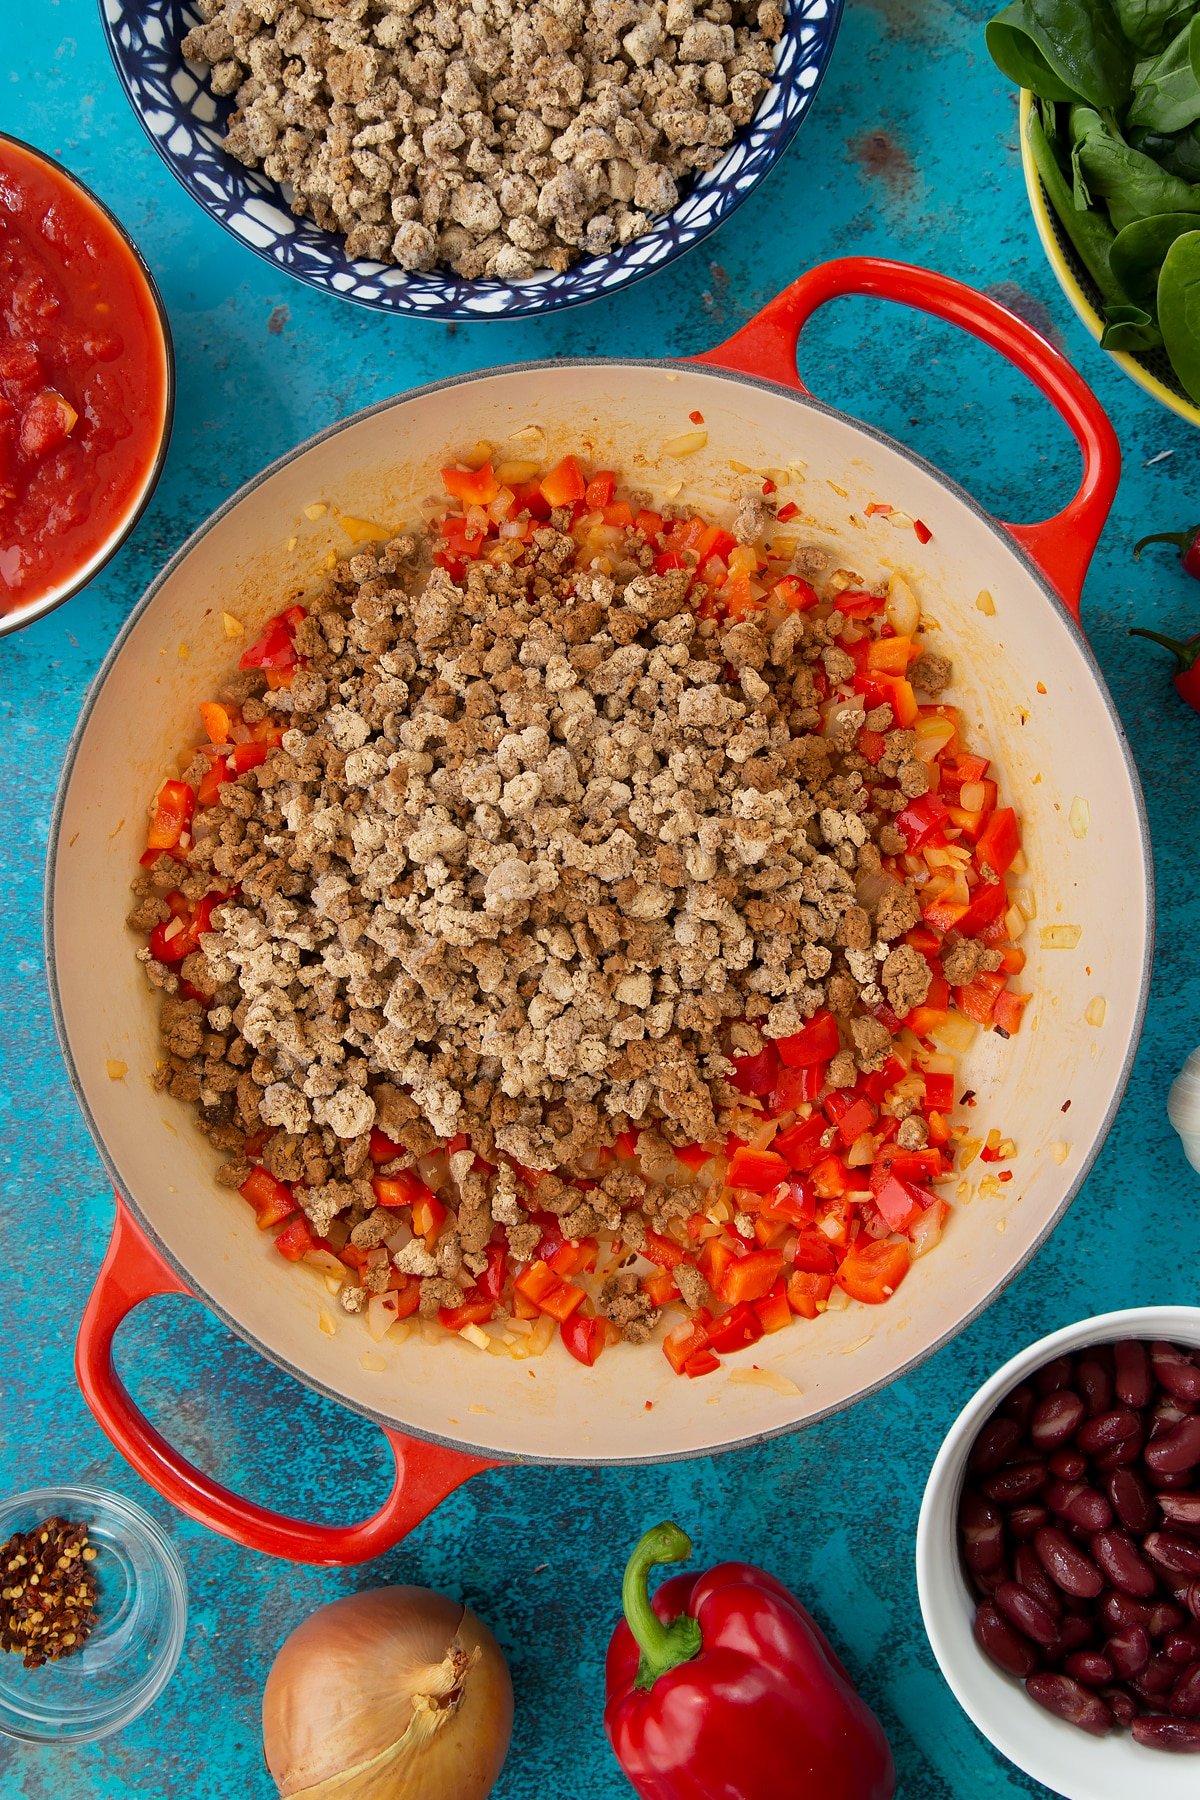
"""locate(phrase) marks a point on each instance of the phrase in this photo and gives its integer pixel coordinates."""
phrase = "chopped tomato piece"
(474, 487)
(1009, 1011)
(174, 805)
(564, 484)
(872, 1271)
(756, 1169)
(999, 841)
(271, 1200)
(817, 1042)
(751, 1276)
(735, 1329)
(585, 1338)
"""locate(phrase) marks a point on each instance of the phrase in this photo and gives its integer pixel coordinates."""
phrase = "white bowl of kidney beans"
(1058, 1557)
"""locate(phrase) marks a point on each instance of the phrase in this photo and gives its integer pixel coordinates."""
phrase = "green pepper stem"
(663, 1646)
(1181, 540)
(1186, 655)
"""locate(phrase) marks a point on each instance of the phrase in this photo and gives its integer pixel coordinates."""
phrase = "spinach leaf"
(1063, 50)
(1180, 155)
(1179, 309)
(1133, 184)
(1089, 233)
(1138, 251)
(1146, 22)
(1128, 327)
(1166, 93)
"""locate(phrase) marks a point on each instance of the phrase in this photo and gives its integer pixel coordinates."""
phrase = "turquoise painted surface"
(912, 152)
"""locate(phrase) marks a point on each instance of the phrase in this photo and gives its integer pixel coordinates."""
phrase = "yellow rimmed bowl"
(1150, 369)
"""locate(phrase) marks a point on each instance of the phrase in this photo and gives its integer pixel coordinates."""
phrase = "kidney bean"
(1165, 1481)
(1006, 1647)
(1131, 1373)
(1170, 1550)
(1119, 1610)
(1068, 1465)
(1019, 1481)
(1094, 1382)
(1066, 1699)
(1188, 1596)
(1181, 1647)
(1066, 1565)
(982, 1532)
(1120, 1456)
(1089, 1666)
(1123, 1563)
(1129, 1651)
(1074, 1633)
(1079, 1505)
(996, 1443)
(1026, 1612)
(1160, 1733)
(1132, 1500)
(1177, 1449)
(1176, 1372)
(1054, 1375)
(1056, 1419)
(1157, 1678)
(1018, 1405)
(1124, 1706)
(1184, 1700)
(1023, 1521)
(1028, 1573)
(1166, 1413)
(1181, 1510)
(1165, 1617)
(1107, 1428)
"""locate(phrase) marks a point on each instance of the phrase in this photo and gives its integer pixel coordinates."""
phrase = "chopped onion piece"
(1060, 1152)
(1060, 937)
(475, 1334)
(1079, 817)
(768, 1378)
(374, 1365)
(1023, 897)
(512, 474)
(933, 733)
(968, 1150)
(956, 1034)
(971, 796)
(984, 603)
(903, 612)
(327, 1265)
(1095, 1010)
(926, 1231)
(1014, 923)
(381, 1316)
(686, 444)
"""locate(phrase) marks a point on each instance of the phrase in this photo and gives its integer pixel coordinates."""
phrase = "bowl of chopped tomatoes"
(86, 384)
(877, 1166)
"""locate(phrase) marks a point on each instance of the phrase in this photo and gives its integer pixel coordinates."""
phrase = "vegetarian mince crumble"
(494, 137)
(571, 916)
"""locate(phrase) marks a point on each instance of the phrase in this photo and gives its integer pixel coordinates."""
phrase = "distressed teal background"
(911, 151)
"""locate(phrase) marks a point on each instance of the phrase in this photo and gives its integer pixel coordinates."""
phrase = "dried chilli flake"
(48, 1592)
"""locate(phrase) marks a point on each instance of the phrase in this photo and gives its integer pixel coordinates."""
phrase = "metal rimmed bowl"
(186, 125)
(141, 1617)
(139, 498)
(1151, 369)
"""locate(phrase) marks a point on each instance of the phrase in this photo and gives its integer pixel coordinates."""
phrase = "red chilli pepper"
(1187, 662)
(1186, 542)
(724, 1684)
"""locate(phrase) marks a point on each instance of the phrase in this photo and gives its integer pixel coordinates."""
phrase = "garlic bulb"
(1183, 1107)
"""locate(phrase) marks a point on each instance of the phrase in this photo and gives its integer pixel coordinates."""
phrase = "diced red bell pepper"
(939, 1091)
(404, 1189)
(908, 1166)
(383, 1148)
(474, 487)
(536, 1281)
(872, 745)
(856, 603)
(577, 1256)
(216, 721)
(921, 820)
(773, 1309)
(174, 805)
(664, 1251)
(404, 1291)
(756, 1075)
(275, 649)
(877, 1085)
(648, 523)
(686, 1340)
(795, 593)
(564, 484)
(701, 1362)
(562, 1300)
(956, 771)
(296, 1239)
(476, 1309)
(247, 756)
(209, 791)
(1009, 1011)
(800, 1145)
(271, 1200)
(796, 1087)
(714, 1258)
(872, 1271)
(792, 1201)
(807, 1292)
(814, 1252)
(660, 1288)
(758, 1170)
(585, 1338)
(170, 942)
(999, 841)
(891, 655)
(879, 689)
(716, 541)
(988, 903)
(818, 1041)
(735, 1329)
(896, 1204)
(491, 1282)
(620, 515)
(829, 1178)
(625, 1145)
(693, 1156)
(354, 1256)
(934, 1009)
(852, 1114)
(751, 1276)
(600, 489)
(428, 1217)
(769, 1233)
(978, 999)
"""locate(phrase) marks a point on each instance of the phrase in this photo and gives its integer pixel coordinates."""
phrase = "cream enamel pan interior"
(1051, 745)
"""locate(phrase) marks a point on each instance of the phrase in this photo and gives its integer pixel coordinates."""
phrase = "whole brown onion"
(393, 1694)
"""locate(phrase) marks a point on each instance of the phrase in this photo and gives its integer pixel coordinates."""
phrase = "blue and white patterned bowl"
(186, 124)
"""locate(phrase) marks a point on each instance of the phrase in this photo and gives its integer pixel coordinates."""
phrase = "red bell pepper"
(725, 1685)
(173, 809)
(1186, 678)
(921, 820)
(816, 1042)
(275, 649)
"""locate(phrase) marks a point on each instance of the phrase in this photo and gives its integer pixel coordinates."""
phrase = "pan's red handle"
(1062, 547)
(133, 1271)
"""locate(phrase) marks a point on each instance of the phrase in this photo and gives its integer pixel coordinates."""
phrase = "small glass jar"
(141, 1615)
